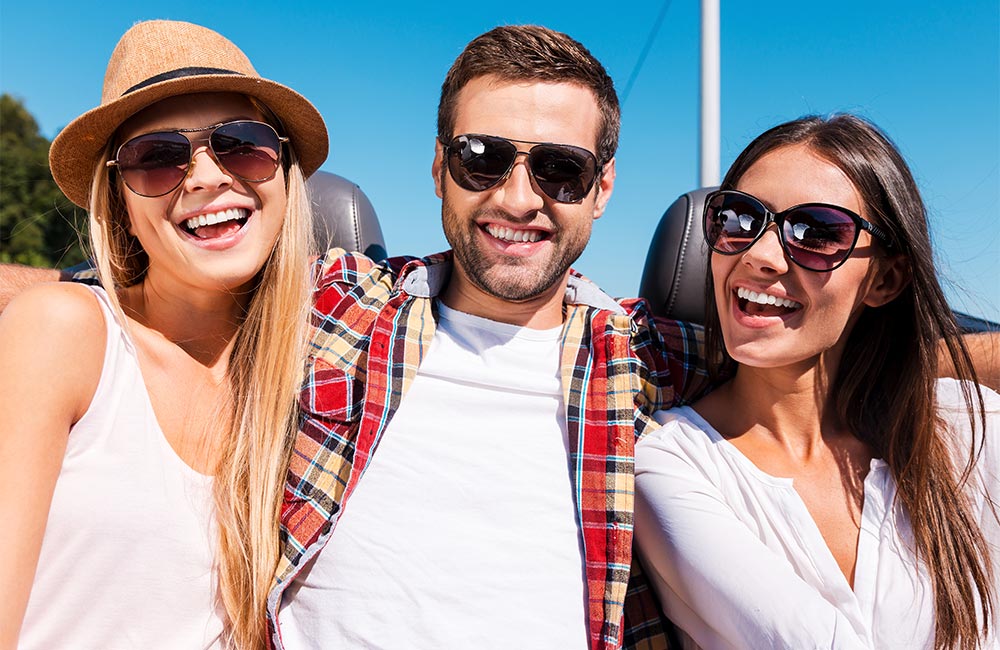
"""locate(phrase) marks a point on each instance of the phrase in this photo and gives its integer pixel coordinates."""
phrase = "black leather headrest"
(673, 280)
(343, 217)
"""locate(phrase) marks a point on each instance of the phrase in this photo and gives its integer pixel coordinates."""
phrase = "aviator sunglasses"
(154, 164)
(564, 172)
(816, 236)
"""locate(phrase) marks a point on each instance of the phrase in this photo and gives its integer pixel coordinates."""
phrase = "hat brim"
(74, 153)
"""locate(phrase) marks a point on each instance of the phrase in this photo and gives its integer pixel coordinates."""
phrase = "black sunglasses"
(478, 162)
(816, 236)
(154, 164)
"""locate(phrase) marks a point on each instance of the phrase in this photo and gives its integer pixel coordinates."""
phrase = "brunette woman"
(834, 493)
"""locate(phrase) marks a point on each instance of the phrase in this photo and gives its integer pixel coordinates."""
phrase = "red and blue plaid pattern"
(373, 324)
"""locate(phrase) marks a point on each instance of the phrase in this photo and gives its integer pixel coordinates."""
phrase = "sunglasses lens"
(815, 237)
(819, 238)
(249, 150)
(154, 163)
(478, 162)
(563, 172)
(732, 222)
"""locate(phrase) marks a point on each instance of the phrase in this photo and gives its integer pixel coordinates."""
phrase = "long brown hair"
(899, 419)
(265, 373)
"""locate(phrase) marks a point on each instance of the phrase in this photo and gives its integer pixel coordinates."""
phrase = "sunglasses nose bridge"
(519, 192)
(768, 252)
(513, 165)
(514, 161)
(210, 175)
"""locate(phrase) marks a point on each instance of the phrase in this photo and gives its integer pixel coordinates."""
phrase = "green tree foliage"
(39, 226)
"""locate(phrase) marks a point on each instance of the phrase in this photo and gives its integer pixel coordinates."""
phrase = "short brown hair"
(532, 53)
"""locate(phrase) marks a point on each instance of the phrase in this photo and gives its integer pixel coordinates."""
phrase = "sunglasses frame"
(778, 219)
(449, 147)
(212, 128)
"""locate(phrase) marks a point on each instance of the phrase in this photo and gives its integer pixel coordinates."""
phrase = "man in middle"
(463, 473)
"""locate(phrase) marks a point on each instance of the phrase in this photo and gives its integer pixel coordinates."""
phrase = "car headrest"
(343, 217)
(673, 280)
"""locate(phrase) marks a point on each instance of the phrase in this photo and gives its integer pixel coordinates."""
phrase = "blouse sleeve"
(713, 575)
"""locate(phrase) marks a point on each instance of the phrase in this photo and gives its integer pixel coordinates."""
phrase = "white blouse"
(738, 561)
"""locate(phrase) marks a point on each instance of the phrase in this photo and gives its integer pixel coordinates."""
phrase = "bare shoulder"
(54, 306)
(53, 336)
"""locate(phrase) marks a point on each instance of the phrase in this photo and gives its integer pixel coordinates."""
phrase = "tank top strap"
(112, 319)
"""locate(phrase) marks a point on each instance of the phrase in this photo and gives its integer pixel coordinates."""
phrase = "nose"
(206, 173)
(767, 254)
(517, 195)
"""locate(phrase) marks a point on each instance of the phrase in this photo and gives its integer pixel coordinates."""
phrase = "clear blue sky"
(927, 72)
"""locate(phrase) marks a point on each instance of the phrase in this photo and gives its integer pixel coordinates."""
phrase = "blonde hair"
(265, 374)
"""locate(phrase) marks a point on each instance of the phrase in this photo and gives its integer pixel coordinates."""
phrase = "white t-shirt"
(463, 531)
(738, 562)
(127, 560)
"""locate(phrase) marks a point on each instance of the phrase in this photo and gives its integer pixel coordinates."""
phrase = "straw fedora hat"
(162, 58)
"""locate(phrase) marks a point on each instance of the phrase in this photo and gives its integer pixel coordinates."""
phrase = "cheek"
(842, 293)
(130, 209)
(579, 219)
(278, 204)
(273, 196)
(274, 204)
(140, 213)
(721, 266)
(461, 203)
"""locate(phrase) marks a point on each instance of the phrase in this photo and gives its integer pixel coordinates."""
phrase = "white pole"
(710, 124)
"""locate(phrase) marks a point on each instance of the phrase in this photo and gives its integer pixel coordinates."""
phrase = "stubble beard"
(514, 279)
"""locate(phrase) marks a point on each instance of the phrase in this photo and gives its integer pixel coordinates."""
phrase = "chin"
(234, 280)
(516, 283)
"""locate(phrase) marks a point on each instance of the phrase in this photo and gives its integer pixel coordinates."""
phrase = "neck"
(543, 311)
(792, 405)
(203, 324)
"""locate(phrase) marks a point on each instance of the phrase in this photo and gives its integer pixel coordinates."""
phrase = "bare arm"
(52, 341)
(985, 350)
(15, 278)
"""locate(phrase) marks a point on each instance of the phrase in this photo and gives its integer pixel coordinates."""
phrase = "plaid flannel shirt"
(372, 325)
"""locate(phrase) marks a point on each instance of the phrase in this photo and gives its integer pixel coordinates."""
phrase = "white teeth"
(216, 217)
(511, 235)
(766, 299)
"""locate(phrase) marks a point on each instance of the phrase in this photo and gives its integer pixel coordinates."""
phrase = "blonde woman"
(144, 431)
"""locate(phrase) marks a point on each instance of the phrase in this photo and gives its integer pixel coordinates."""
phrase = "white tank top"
(127, 560)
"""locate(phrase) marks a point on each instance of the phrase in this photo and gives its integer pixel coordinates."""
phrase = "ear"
(437, 168)
(605, 185)
(892, 275)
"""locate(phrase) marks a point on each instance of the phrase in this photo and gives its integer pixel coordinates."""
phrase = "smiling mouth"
(514, 236)
(217, 224)
(764, 304)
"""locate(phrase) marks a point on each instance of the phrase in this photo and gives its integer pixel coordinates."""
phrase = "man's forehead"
(529, 110)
